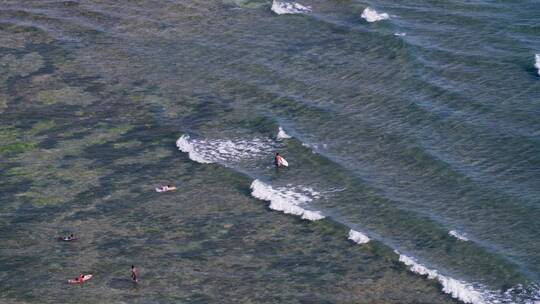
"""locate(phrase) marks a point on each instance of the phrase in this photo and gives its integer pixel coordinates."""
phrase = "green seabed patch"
(17, 147)
(11, 65)
(66, 95)
(17, 36)
(148, 156)
(3, 103)
(61, 185)
(12, 141)
(41, 126)
(252, 4)
(127, 144)
(56, 175)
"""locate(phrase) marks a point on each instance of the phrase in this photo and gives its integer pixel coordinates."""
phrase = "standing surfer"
(134, 274)
(280, 161)
(277, 161)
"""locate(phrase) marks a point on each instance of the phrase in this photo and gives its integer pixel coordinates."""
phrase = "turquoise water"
(420, 131)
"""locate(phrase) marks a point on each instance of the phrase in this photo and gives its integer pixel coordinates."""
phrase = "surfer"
(134, 274)
(79, 279)
(165, 188)
(277, 161)
(68, 238)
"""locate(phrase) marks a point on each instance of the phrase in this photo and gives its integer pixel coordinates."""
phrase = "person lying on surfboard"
(78, 279)
(166, 188)
(71, 237)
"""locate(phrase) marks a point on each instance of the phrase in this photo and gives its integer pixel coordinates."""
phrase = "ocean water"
(412, 130)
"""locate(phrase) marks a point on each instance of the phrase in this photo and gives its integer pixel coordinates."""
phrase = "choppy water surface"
(412, 131)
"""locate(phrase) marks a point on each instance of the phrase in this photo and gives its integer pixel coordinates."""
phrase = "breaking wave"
(358, 237)
(207, 151)
(457, 235)
(288, 200)
(282, 8)
(371, 15)
(282, 135)
(457, 289)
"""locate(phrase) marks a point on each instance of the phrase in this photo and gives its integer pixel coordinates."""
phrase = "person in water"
(70, 237)
(134, 274)
(80, 278)
(277, 160)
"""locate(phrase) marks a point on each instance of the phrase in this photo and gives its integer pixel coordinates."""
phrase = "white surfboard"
(283, 162)
(165, 189)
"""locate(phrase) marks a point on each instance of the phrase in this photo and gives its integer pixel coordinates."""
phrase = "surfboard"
(84, 279)
(66, 239)
(283, 162)
(165, 190)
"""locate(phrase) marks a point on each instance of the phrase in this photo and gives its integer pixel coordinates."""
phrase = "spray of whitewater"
(457, 289)
(358, 237)
(287, 200)
(226, 152)
(371, 15)
(282, 8)
(282, 134)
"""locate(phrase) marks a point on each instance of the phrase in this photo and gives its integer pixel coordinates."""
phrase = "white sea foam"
(462, 291)
(358, 237)
(280, 8)
(286, 200)
(183, 143)
(281, 134)
(225, 152)
(537, 63)
(400, 34)
(372, 15)
(459, 236)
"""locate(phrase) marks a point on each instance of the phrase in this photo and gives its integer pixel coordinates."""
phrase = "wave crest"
(282, 135)
(282, 8)
(457, 235)
(358, 237)
(457, 289)
(286, 199)
(226, 152)
(371, 15)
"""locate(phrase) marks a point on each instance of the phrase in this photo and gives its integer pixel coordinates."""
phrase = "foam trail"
(285, 199)
(282, 8)
(537, 63)
(282, 135)
(358, 237)
(371, 15)
(226, 152)
(457, 289)
(458, 235)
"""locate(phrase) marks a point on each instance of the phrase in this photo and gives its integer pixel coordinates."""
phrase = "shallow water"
(420, 131)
